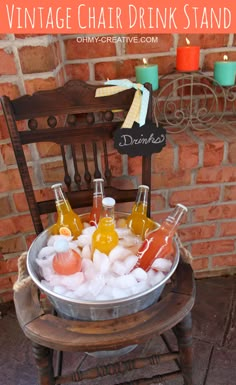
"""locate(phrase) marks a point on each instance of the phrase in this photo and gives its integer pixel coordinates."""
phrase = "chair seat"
(73, 335)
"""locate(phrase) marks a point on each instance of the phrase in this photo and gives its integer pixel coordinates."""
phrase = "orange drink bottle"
(159, 243)
(66, 261)
(68, 222)
(137, 221)
(98, 195)
(105, 237)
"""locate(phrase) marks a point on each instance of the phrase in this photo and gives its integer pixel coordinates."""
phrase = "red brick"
(135, 165)
(227, 229)
(12, 245)
(198, 232)
(205, 40)
(224, 260)
(7, 154)
(9, 89)
(211, 213)
(216, 174)
(48, 149)
(87, 50)
(10, 180)
(232, 152)
(200, 264)
(5, 207)
(52, 172)
(166, 64)
(188, 156)
(157, 202)
(7, 62)
(164, 160)
(115, 70)
(4, 134)
(8, 266)
(6, 296)
(38, 84)
(171, 179)
(21, 202)
(229, 193)
(148, 43)
(5, 283)
(77, 71)
(38, 59)
(195, 196)
(115, 163)
(212, 57)
(213, 154)
(213, 247)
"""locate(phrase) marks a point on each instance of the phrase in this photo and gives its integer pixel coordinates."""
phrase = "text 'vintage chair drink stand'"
(76, 120)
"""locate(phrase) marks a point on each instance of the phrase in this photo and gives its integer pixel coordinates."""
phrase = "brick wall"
(197, 169)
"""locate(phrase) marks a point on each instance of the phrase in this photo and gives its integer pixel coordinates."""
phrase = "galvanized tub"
(71, 308)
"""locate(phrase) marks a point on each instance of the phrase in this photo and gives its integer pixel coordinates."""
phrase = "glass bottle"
(68, 222)
(105, 237)
(98, 195)
(66, 261)
(159, 243)
(137, 221)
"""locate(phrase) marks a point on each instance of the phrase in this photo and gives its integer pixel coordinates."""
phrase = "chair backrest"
(82, 126)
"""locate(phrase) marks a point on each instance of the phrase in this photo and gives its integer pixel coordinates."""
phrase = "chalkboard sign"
(140, 141)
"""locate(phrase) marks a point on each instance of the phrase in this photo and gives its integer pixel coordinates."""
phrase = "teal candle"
(147, 73)
(224, 72)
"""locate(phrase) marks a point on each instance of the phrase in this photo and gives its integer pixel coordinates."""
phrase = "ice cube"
(162, 264)
(118, 293)
(82, 290)
(140, 287)
(139, 274)
(118, 252)
(129, 241)
(83, 240)
(45, 252)
(101, 261)
(122, 232)
(89, 231)
(86, 252)
(72, 281)
(53, 238)
(155, 277)
(59, 289)
(96, 285)
(123, 282)
(130, 262)
(118, 267)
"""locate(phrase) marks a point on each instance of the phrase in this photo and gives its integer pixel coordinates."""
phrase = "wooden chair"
(76, 120)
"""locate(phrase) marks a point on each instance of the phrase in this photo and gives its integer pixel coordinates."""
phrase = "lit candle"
(225, 71)
(187, 58)
(147, 73)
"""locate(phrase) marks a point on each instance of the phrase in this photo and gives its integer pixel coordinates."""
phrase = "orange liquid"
(105, 238)
(67, 218)
(158, 244)
(96, 211)
(67, 263)
(138, 221)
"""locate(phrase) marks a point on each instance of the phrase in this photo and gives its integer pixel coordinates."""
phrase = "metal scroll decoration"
(191, 100)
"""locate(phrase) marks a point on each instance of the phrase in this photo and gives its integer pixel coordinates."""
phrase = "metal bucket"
(78, 309)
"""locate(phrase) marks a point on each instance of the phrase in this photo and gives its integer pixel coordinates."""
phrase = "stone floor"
(214, 332)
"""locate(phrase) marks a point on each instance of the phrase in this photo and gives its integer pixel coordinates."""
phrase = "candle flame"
(225, 57)
(187, 41)
(144, 61)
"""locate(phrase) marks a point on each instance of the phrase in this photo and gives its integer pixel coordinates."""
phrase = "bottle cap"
(143, 186)
(56, 185)
(182, 206)
(108, 202)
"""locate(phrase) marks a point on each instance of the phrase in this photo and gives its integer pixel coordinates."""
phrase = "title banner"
(117, 17)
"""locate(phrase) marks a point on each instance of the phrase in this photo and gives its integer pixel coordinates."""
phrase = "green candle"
(224, 72)
(147, 73)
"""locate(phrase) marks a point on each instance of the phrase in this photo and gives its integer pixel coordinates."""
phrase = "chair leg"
(183, 332)
(44, 363)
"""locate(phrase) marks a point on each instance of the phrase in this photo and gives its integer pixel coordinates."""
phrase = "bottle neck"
(173, 220)
(141, 201)
(60, 199)
(98, 192)
(108, 210)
